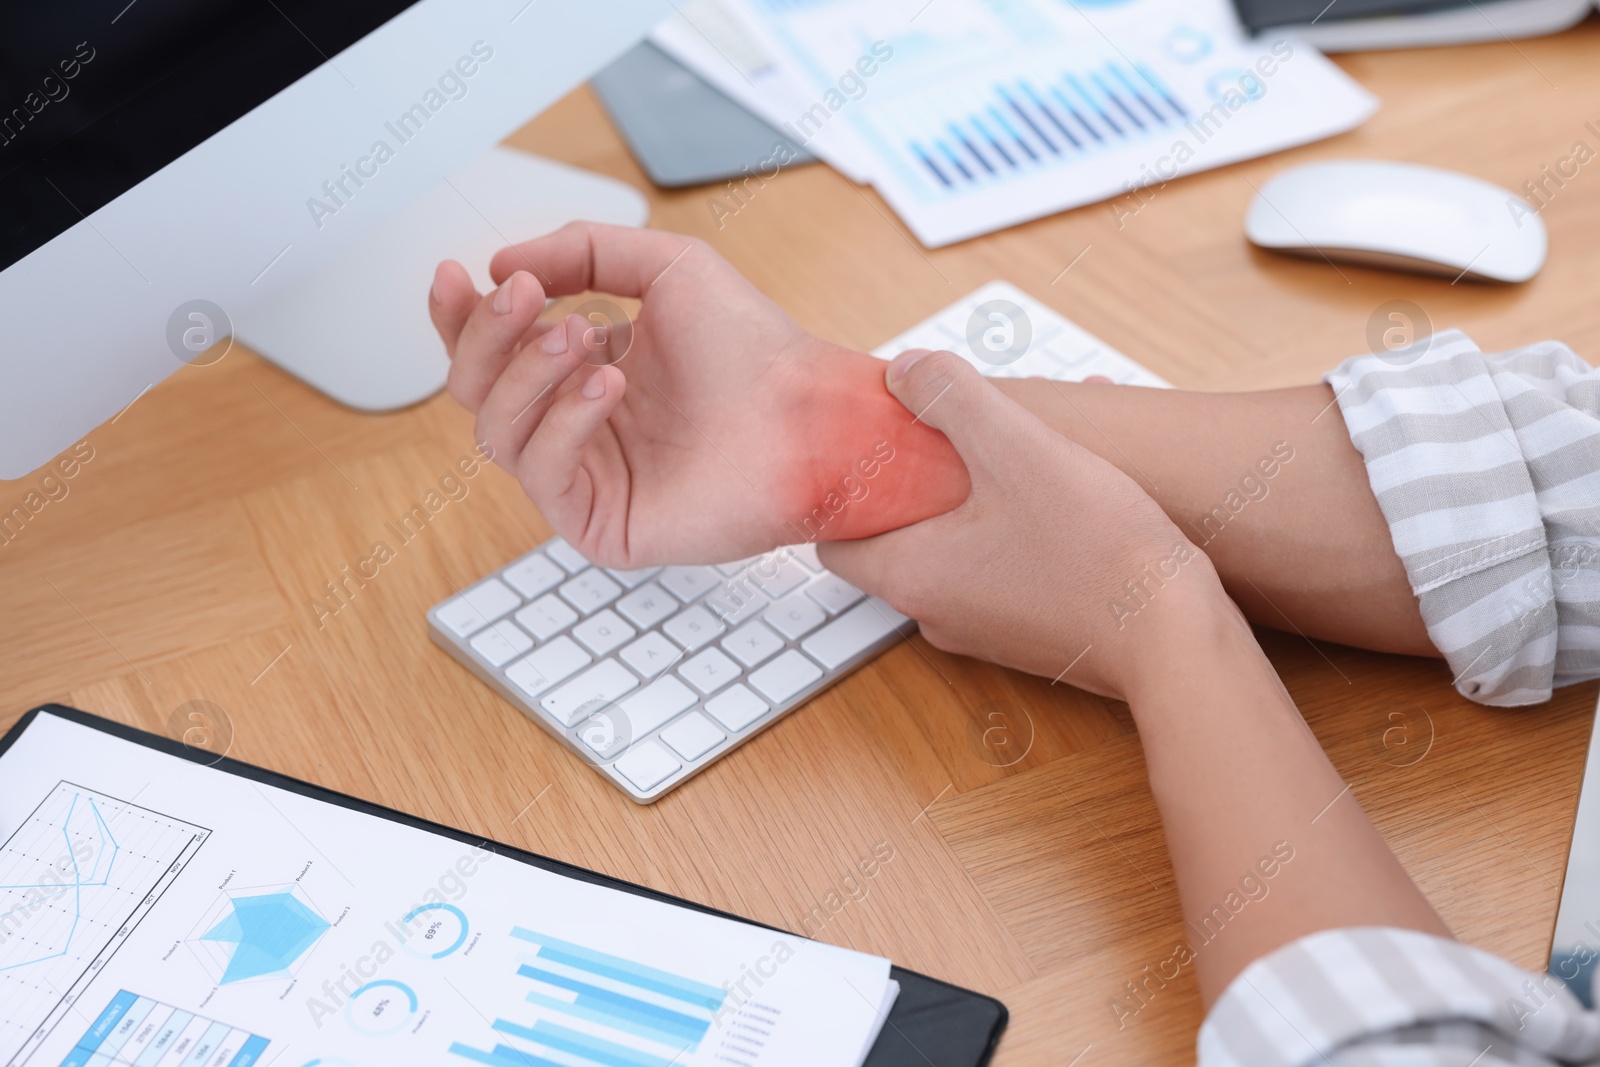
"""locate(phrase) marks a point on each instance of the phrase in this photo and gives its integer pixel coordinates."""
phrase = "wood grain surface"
(1029, 864)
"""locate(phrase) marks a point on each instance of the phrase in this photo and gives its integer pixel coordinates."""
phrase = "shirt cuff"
(1486, 468)
(1377, 988)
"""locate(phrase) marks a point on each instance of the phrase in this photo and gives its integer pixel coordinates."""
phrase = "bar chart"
(968, 135)
(587, 1007)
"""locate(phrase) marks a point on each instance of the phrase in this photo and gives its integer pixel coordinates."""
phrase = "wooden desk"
(182, 563)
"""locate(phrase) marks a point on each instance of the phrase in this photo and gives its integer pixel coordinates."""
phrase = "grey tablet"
(682, 130)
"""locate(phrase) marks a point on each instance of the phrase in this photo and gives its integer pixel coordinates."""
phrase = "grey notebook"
(681, 129)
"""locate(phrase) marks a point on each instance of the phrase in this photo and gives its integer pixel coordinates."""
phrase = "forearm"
(1266, 841)
(1303, 547)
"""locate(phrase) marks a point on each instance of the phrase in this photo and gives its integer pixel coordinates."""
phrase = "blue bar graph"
(597, 1008)
(502, 1056)
(605, 1016)
(971, 136)
(564, 1039)
(637, 974)
(624, 1008)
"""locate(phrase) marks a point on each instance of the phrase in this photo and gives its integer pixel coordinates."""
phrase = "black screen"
(97, 95)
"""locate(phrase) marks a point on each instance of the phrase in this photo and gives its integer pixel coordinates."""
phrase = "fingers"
(492, 334)
(584, 256)
(450, 300)
(944, 391)
(550, 467)
(532, 382)
(888, 565)
(866, 564)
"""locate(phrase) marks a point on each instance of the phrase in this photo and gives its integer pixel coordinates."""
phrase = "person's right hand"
(724, 427)
(1057, 563)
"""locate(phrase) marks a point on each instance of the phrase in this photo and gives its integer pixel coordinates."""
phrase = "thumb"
(944, 391)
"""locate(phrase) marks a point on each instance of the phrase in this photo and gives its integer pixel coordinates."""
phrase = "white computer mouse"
(1401, 215)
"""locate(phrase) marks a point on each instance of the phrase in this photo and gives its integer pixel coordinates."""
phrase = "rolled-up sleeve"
(1487, 470)
(1378, 996)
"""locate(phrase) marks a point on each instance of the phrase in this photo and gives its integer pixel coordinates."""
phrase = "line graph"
(76, 876)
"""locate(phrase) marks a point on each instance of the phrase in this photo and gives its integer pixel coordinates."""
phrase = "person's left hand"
(728, 430)
(1056, 564)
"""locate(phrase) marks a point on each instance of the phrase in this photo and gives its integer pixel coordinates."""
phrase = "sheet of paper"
(160, 913)
(1006, 333)
(975, 115)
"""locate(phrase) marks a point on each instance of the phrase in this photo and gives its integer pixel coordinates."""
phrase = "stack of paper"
(969, 116)
(161, 913)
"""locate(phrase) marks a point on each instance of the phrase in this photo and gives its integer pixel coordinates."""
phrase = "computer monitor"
(171, 170)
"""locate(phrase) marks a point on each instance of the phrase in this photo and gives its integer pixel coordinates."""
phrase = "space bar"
(852, 633)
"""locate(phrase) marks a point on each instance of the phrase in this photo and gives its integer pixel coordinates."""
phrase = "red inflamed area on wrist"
(875, 467)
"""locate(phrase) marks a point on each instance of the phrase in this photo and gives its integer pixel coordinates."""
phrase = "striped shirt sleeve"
(1487, 470)
(1374, 996)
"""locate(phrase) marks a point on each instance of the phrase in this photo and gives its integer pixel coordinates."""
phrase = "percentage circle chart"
(381, 1007)
(1188, 45)
(443, 931)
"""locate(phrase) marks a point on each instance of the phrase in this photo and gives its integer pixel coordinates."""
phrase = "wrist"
(1197, 638)
(871, 465)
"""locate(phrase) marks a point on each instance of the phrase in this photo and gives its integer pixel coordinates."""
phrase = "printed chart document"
(161, 913)
(973, 115)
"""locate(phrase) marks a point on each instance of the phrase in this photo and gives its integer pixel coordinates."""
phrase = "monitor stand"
(358, 329)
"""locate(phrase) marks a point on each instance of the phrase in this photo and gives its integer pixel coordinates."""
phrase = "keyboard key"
(807, 554)
(656, 704)
(736, 708)
(605, 732)
(833, 593)
(603, 632)
(647, 606)
(780, 574)
(651, 654)
(632, 579)
(647, 766)
(731, 569)
(692, 736)
(734, 601)
(614, 727)
(795, 616)
(752, 643)
(689, 583)
(594, 688)
(478, 607)
(692, 627)
(532, 575)
(546, 617)
(590, 591)
(785, 676)
(566, 555)
(709, 671)
(501, 643)
(852, 633)
(539, 670)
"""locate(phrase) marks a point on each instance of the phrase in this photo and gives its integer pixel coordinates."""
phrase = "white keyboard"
(1057, 348)
(651, 675)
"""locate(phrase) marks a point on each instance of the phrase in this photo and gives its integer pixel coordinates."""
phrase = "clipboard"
(932, 1023)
